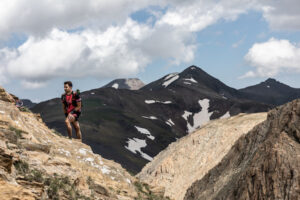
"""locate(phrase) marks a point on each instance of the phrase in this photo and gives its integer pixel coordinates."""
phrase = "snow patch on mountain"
(150, 117)
(199, 118)
(170, 76)
(186, 114)
(191, 79)
(115, 85)
(171, 80)
(155, 101)
(149, 101)
(170, 122)
(145, 131)
(226, 115)
(135, 145)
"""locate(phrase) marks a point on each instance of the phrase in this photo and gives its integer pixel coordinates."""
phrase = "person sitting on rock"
(72, 108)
(19, 103)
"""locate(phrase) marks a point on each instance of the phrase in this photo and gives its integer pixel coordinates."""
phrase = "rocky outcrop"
(191, 157)
(39, 163)
(4, 96)
(264, 164)
(128, 83)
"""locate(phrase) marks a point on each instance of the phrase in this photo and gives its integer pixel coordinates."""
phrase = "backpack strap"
(74, 102)
(63, 99)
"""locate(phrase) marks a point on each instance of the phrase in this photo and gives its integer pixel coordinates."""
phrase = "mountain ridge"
(271, 92)
(190, 157)
(261, 164)
(132, 126)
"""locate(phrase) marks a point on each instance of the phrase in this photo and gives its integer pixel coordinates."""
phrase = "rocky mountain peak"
(271, 80)
(271, 92)
(194, 70)
(134, 83)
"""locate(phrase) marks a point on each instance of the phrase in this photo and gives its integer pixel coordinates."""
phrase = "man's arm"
(64, 105)
(64, 108)
(78, 107)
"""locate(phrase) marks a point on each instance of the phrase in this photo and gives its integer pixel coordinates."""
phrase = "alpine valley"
(131, 126)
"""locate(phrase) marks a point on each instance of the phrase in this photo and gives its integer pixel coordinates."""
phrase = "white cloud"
(282, 15)
(89, 53)
(100, 49)
(272, 57)
(197, 15)
(168, 42)
(38, 17)
(107, 44)
(119, 51)
(249, 74)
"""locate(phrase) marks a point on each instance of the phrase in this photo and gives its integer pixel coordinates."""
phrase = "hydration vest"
(74, 102)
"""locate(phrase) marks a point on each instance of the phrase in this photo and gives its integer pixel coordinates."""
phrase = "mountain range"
(132, 126)
(246, 156)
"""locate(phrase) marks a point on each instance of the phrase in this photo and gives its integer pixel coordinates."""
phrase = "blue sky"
(91, 42)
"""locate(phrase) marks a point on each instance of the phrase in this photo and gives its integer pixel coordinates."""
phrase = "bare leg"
(69, 127)
(77, 128)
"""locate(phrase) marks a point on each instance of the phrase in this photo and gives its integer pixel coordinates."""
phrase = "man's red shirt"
(68, 98)
(70, 106)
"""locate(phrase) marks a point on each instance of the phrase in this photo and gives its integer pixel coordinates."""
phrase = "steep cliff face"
(37, 163)
(264, 164)
(191, 157)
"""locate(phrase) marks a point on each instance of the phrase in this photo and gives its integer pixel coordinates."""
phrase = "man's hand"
(71, 117)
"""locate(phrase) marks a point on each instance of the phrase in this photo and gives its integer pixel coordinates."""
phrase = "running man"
(72, 108)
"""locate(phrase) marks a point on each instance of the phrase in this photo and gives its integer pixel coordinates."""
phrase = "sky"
(92, 42)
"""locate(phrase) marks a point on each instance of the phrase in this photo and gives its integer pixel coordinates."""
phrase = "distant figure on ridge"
(18, 103)
(72, 108)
